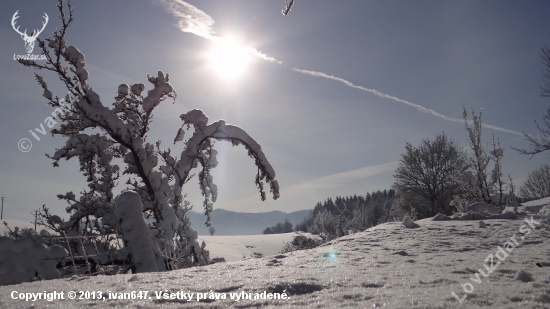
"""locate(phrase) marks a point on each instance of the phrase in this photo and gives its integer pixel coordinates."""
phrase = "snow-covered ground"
(232, 248)
(386, 266)
(235, 248)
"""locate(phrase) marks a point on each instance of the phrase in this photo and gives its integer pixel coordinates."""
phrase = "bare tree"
(545, 56)
(537, 185)
(426, 176)
(541, 142)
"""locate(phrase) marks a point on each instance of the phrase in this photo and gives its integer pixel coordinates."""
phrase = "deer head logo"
(29, 40)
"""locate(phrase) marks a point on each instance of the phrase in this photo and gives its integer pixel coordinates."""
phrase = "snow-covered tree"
(479, 183)
(103, 138)
(327, 226)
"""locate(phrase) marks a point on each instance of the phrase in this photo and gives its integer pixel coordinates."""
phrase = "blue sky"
(323, 137)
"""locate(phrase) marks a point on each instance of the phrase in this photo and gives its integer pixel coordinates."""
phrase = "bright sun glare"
(229, 58)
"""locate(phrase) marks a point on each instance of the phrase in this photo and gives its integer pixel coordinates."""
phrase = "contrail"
(387, 96)
(193, 20)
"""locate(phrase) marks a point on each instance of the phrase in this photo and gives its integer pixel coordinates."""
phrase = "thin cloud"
(305, 194)
(387, 96)
(340, 179)
(193, 20)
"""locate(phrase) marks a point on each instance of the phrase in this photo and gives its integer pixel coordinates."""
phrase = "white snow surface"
(483, 207)
(235, 248)
(387, 266)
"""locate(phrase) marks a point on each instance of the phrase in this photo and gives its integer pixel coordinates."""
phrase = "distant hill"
(240, 223)
(225, 222)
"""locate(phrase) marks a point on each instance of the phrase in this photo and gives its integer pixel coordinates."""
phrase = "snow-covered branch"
(482, 186)
(122, 139)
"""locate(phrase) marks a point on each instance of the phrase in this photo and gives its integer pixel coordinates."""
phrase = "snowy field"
(231, 248)
(235, 248)
(386, 266)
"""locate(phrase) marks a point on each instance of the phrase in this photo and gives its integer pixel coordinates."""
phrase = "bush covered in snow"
(22, 260)
(107, 140)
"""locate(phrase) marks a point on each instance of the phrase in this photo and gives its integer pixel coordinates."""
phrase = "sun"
(229, 58)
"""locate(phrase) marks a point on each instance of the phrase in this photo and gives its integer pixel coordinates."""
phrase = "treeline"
(280, 228)
(346, 206)
(344, 215)
(339, 217)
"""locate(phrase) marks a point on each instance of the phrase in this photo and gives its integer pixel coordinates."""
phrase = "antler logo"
(29, 40)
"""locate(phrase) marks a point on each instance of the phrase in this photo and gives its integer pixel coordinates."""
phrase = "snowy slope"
(386, 266)
(535, 206)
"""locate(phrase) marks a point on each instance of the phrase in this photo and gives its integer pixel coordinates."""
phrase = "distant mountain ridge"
(228, 222)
